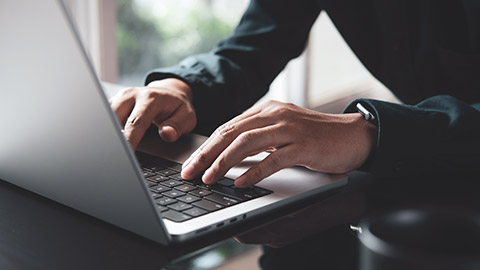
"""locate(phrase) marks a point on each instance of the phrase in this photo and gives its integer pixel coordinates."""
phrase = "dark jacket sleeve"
(437, 137)
(234, 75)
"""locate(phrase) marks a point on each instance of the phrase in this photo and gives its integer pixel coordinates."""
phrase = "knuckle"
(190, 110)
(135, 121)
(247, 137)
(128, 91)
(276, 160)
(222, 162)
(225, 131)
(276, 108)
(149, 103)
(282, 110)
(202, 158)
(269, 105)
(271, 102)
(151, 94)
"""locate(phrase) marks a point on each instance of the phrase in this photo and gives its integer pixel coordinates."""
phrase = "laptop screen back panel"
(59, 138)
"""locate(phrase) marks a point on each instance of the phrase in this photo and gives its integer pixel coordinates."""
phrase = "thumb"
(181, 122)
(168, 133)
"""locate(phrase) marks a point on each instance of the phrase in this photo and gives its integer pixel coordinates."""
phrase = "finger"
(248, 113)
(215, 144)
(122, 108)
(282, 158)
(252, 141)
(138, 122)
(182, 121)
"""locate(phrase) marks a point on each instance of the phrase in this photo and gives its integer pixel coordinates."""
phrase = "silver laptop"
(60, 139)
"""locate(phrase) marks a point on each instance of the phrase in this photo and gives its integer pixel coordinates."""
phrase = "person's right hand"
(166, 103)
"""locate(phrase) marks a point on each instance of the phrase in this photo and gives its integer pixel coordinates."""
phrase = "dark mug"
(420, 238)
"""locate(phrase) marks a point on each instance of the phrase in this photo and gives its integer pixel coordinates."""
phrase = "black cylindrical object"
(420, 238)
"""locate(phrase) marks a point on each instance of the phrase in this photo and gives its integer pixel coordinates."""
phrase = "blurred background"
(127, 38)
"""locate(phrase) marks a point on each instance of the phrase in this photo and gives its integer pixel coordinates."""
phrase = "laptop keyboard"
(180, 200)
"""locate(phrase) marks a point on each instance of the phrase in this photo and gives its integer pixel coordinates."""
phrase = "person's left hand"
(331, 143)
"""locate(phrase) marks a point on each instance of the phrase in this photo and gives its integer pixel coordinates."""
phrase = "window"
(153, 33)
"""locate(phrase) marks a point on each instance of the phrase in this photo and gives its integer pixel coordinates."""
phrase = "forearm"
(435, 137)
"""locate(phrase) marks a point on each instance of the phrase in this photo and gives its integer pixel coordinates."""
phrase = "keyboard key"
(179, 206)
(156, 168)
(185, 188)
(226, 182)
(195, 212)
(147, 174)
(166, 172)
(161, 208)
(235, 193)
(159, 189)
(155, 195)
(222, 199)
(200, 192)
(173, 193)
(146, 169)
(176, 176)
(188, 198)
(171, 183)
(151, 184)
(165, 201)
(207, 205)
(157, 178)
(257, 191)
(199, 183)
(175, 216)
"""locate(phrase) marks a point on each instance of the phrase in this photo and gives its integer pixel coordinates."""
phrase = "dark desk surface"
(37, 233)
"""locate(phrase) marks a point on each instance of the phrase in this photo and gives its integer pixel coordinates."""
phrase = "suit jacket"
(426, 52)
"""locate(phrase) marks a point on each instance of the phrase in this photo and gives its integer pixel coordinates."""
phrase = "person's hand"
(331, 143)
(165, 103)
(341, 208)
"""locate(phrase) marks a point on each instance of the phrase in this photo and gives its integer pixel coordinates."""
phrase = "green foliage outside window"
(147, 40)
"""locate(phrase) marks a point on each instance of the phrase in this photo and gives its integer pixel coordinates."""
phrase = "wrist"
(366, 134)
(173, 83)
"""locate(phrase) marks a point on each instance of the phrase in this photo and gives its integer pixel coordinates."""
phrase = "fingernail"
(168, 133)
(241, 181)
(187, 171)
(185, 164)
(174, 131)
(207, 176)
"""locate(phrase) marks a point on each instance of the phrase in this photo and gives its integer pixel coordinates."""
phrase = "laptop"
(60, 139)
